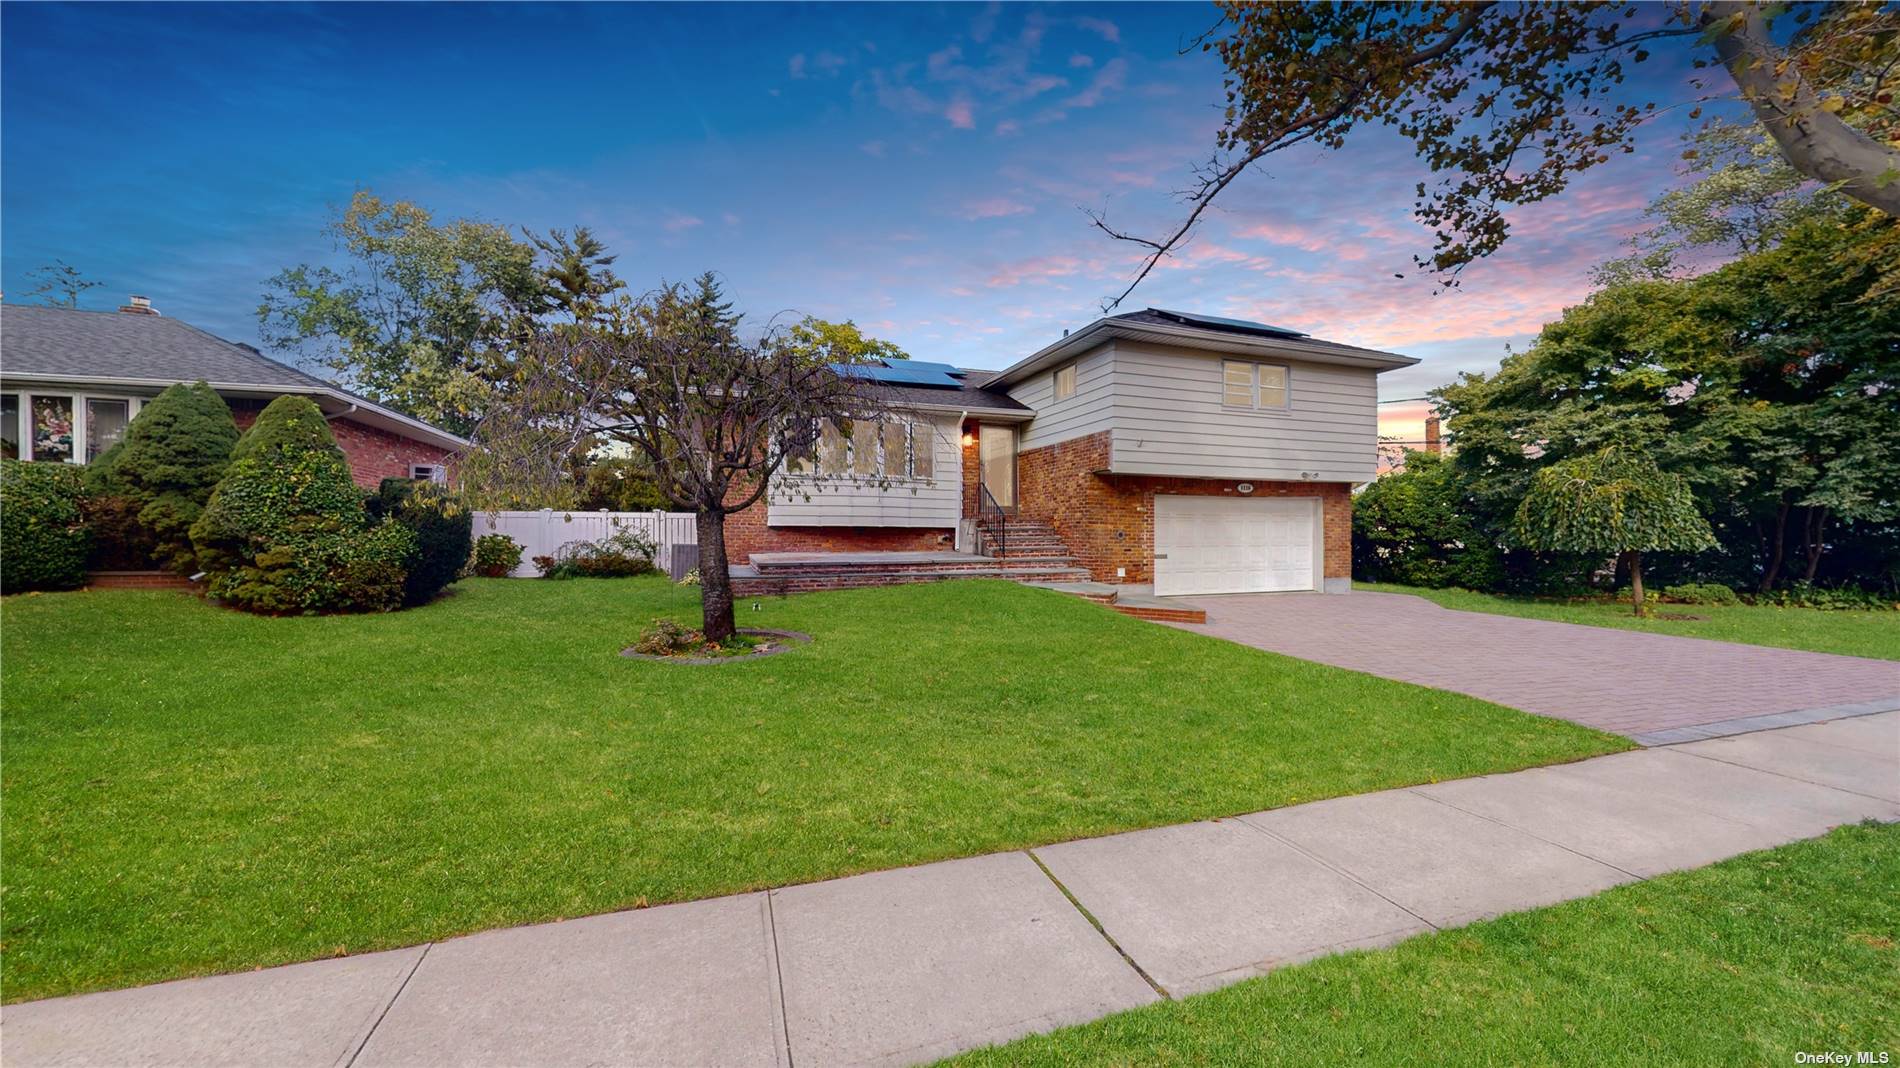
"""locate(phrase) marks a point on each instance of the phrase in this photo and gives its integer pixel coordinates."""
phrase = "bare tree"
(60, 284)
(714, 415)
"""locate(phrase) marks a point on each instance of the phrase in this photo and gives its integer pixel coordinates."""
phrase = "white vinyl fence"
(541, 533)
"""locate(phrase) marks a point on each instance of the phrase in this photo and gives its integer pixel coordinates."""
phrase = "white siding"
(821, 502)
(1167, 419)
(1087, 412)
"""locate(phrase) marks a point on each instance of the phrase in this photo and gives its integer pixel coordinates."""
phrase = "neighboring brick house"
(1195, 454)
(70, 382)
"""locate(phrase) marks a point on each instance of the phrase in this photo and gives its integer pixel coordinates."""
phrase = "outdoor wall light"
(969, 440)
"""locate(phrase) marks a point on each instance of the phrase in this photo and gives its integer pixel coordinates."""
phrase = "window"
(52, 428)
(1065, 382)
(831, 450)
(105, 424)
(428, 472)
(1253, 385)
(896, 450)
(923, 450)
(10, 425)
(864, 449)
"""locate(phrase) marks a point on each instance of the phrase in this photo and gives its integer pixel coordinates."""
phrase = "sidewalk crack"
(1334, 868)
(778, 974)
(1526, 833)
(390, 1004)
(1099, 929)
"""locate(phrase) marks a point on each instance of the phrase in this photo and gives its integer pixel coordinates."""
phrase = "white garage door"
(1235, 544)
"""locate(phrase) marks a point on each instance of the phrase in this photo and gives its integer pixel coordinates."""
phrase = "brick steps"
(136, 580)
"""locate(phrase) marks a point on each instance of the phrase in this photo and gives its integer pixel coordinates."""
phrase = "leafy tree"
(620, 484)
(286, 531)
(1616, 502)
(712, 414)
(843, 342)
(172, 455)
(418, 314)
(1768, 384)
(1414, 526)
(60, 284)
(1509, 102)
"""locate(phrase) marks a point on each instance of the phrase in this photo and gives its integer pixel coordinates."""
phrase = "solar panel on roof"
(1228, 324)
(905, 373)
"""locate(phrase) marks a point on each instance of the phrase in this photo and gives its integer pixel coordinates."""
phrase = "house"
(1187, 453)
(70, 382)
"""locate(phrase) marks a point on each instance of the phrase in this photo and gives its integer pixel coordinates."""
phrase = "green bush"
(1410, 527)
(119, 541)
(622, 554)
(286, 530)
(173, 454)
(441, 523)
(1701, 593)
(43, 535)
(494, 556)
(1836, 599)
(620, 484)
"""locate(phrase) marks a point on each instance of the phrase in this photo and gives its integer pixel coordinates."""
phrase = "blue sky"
(918, 168)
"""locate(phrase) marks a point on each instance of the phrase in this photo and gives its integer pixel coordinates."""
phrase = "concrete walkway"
(1655, 688)
(904, 966)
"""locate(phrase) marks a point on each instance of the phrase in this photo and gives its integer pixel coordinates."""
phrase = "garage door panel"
(1234, 545)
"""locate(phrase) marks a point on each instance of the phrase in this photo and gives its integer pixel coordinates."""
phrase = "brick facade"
(374, 454)
(1108, 520)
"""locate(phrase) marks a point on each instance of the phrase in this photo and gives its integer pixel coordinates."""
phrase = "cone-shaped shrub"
(172, 455)
(285, 530)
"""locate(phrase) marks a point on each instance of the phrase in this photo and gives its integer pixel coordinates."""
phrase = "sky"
(920, 169)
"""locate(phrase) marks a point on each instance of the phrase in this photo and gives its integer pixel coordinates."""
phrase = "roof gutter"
(417, 428)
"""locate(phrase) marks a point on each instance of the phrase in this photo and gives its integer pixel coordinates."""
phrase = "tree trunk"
(1817, 524)
(1812, 140)
(715, 579)
(1636, 582)
(1773, 573)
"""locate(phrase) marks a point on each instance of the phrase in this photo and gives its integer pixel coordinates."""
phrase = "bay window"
(62, 427)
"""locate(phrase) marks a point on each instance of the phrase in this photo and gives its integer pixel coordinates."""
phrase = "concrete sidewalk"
(904, 966)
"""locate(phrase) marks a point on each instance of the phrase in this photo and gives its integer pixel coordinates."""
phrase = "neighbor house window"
(1253, 385)
(1065, 382)
(10, 425)
(428, 472)
(52, 428)
(105, 424)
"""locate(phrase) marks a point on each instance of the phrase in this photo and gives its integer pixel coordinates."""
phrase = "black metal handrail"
(986, 507)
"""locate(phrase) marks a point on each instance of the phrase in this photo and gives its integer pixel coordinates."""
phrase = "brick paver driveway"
(1629, 682)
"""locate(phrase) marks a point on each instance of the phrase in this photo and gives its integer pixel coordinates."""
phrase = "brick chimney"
(138, 306)
(1433, 442)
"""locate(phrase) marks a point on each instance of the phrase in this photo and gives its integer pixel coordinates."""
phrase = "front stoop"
(782, 573)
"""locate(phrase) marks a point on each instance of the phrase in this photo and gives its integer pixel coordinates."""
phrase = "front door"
(996, 447)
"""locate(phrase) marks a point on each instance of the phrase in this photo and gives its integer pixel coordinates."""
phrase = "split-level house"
(1184, 453)
(71, 381)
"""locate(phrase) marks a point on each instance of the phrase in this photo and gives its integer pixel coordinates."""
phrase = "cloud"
(873, 148)
(994, 208)
(679, 223)
(1108, 30)
(1008, 128)
(730, 219)
(960, 114)
(1107, 80)
(796, 65)
(1079, 60)
(1035, 269)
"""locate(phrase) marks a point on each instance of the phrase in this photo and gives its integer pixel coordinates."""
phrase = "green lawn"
(191, 790)
(1747, 962)
(1875, 634)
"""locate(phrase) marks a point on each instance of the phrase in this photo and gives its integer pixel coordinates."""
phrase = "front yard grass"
(1871, 634)
(1751, 961)
(191, 790)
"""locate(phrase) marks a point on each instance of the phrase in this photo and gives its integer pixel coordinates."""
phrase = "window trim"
(919, 433)
(1055, 380)
(78, 398)
(1253, 386)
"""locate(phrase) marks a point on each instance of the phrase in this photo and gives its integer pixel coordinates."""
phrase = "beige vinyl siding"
(1087, 412)
(1168, 419)
(830, 502)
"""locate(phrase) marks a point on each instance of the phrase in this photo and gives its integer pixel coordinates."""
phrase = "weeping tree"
(713, 413)
(1614, 502)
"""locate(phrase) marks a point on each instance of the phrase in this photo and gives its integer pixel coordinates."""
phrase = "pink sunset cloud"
(994, 208)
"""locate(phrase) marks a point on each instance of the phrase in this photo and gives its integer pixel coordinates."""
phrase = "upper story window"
(1253, 385)
(892, 449)
(1065, 382)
